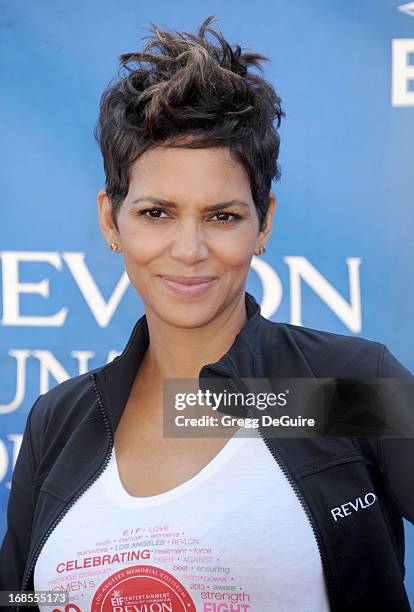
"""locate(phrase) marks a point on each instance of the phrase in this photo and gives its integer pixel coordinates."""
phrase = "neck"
(176, 352)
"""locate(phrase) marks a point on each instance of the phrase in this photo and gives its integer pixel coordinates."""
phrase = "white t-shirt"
(233, 538)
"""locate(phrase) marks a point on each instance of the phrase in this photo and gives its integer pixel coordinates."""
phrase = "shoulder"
(351, 355)
(63, 407)
(330, 354)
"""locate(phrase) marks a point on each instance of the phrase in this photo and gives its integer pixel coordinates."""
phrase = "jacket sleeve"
(20, 510)
(396, 455)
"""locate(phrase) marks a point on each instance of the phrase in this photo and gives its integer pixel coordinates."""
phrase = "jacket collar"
(116, 377)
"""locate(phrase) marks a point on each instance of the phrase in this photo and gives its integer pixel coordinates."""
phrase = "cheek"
(234, 247)
(141, 247)
(235, 254)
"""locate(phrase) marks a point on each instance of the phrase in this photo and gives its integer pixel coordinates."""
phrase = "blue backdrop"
(340, 257)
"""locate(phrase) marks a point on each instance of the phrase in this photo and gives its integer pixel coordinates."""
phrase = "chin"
(187, 314)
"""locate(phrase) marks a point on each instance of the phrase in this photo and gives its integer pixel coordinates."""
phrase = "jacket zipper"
(302, 500)
(81, 492)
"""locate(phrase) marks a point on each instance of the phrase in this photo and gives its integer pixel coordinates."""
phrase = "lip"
(187, 280)
(188, 285)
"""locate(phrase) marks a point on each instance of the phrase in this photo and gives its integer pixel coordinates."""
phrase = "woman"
(106, 509)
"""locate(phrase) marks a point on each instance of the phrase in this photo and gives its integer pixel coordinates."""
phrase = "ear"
(106, 225)
(265, 232)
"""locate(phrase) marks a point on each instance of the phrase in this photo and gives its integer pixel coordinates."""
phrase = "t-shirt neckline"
(121, 497)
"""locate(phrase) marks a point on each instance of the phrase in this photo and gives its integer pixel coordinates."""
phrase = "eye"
(149, 217)
(235, 216)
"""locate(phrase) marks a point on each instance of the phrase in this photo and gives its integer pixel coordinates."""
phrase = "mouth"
(188, 285)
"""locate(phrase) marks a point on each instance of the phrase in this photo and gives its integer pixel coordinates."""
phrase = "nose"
(188, 244)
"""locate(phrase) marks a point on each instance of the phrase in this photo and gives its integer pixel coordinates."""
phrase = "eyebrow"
(170, 204)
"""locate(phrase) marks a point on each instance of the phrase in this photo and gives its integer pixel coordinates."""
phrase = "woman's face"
(167, 228)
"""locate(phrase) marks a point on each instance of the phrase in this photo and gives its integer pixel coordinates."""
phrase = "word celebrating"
(75, 564)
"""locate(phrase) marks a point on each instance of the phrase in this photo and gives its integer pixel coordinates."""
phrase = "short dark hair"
(183, 90)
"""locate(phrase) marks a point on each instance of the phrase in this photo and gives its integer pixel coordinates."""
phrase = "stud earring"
(114, 247)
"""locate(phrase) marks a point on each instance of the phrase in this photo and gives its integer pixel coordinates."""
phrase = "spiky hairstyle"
(184, 90)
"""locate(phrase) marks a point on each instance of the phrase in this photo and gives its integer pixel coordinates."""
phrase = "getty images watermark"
(288, 407)
(214, 401)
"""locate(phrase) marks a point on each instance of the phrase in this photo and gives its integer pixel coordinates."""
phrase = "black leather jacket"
(70, 431)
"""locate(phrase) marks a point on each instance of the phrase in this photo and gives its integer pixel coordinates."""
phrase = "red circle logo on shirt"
(149, 587)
